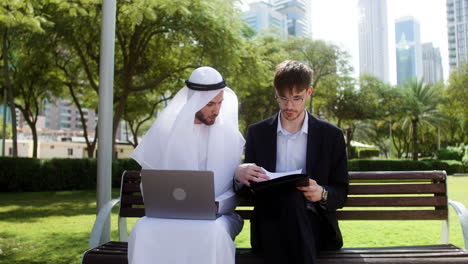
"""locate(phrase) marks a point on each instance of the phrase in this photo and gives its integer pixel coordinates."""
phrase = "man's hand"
(249, 172)
(313, 192)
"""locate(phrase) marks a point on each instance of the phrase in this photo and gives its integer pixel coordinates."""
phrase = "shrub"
(450, 153)
(386, 165)
(69, 174)
(368, 153)
(29, 174)
(119, 166)
(450, 166)
(19, 174)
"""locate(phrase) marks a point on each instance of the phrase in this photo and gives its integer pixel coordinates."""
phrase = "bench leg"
(123, 233)
(445, 232)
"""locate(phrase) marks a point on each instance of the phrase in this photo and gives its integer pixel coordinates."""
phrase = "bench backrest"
(385, 195)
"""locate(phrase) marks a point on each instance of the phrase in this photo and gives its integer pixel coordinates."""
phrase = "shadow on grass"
(29, 206)
(52, 248)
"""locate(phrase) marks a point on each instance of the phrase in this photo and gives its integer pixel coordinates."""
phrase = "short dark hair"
(291, 75)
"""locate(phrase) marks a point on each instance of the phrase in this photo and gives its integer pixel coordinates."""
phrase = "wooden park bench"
(408, 195)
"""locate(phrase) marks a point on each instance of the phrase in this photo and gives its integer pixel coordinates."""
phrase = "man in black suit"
(291, 224)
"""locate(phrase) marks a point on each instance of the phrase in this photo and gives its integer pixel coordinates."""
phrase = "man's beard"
(205, 120)
(295, 114)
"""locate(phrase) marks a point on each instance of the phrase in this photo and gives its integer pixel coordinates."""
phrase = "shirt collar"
(304, 129)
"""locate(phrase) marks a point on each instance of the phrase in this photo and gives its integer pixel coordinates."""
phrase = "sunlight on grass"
(54, 227)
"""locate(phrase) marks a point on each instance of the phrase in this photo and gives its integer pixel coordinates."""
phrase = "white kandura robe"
(179, 241)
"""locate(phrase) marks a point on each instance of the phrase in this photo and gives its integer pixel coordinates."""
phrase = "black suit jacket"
(326, 163)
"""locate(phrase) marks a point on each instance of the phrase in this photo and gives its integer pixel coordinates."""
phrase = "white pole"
(105, 115)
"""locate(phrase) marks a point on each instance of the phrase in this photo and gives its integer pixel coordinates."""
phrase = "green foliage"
(368, 153)
(158, 43)
(450, 166)
(28, 174)
(421, 107)
(68, 174)
(455, 127)
(22, 14)
(8, 128)
(386, 165)
(252, 79)
(450, 153)
(19, 174)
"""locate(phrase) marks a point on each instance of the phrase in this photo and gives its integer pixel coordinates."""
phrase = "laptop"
(179, 194)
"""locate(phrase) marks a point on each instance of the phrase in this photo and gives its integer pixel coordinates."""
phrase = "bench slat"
(396, 175)
(397, 189)
(396, 201)
(392, 214)
(378, 214)
(132, 212)
(131, 187)
(131, 199)
(407, 249)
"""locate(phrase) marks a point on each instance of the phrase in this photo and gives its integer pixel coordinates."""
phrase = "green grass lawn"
(54, 227)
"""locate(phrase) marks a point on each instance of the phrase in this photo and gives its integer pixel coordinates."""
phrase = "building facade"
(262, 16)
(283, 17)
(298, 16)
(457, 30)
(62, 114)
(408, 49)
(432, 63)
(373, 38)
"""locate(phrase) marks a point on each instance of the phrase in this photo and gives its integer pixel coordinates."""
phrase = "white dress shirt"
(291, 149)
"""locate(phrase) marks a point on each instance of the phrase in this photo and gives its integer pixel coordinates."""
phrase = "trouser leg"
(287, 231)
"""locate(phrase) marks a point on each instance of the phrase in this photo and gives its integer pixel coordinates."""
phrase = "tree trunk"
(34, 134)
(6, 75)
(415, 139)
(349, 137)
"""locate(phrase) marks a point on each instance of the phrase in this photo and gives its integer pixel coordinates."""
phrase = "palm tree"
(422, 101)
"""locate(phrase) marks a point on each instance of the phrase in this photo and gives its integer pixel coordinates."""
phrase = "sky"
(336, 21)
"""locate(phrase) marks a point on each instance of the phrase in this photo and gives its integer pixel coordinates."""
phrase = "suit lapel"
(313, 145)
(270, 149)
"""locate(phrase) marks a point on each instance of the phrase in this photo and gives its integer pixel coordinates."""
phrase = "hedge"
(28, 174)
(450, 166)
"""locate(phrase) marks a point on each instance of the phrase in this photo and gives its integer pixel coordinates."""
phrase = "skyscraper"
(263, 16)
(457, 23)
(286, 17)
(373, 38)
(408, 49)
(432, 63)
(298, 15)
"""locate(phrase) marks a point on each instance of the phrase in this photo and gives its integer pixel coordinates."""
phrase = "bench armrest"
(101, 218)
(462, 213)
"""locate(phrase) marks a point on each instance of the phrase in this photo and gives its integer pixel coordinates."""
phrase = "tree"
(456, 94)
(155, 41)
(253, 78)
(16, 18)
(326, 60)
(385, 102)
(35, 78)
(136, 116)
(348, 106)
(422, 102)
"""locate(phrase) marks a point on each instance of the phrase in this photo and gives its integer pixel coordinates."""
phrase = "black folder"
(287, 181)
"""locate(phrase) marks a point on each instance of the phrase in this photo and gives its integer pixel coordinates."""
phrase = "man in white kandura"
(198, 130)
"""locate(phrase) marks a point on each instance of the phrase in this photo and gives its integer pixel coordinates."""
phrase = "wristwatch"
(324, 194)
